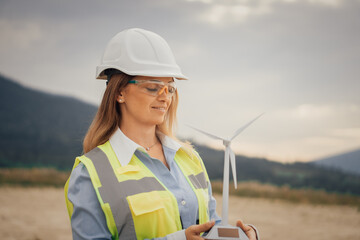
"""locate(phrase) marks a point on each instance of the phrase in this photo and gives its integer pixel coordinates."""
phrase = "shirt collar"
(125, 148)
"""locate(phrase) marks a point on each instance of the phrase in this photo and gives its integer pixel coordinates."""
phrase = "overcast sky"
(297, 61)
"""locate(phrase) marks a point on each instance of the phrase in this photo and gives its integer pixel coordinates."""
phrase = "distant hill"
(40, 129)
(347, 162)
(296, 175)
(44, 130)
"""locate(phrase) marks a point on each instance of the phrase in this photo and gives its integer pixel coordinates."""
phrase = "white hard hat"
(138, 52)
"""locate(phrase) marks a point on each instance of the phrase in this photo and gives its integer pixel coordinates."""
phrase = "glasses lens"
(151, 88)
(155, 88)
(172, 88)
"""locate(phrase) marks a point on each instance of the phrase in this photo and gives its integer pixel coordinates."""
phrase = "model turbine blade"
(244, 127)
(225, 205)
(233, 167)
(207, 134)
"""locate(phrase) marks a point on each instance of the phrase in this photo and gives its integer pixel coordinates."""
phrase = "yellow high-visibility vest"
(135, 202)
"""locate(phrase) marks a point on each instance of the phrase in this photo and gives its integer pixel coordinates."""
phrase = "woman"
(136, 180)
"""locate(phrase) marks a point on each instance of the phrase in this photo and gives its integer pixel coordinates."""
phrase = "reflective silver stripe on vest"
(199, 180)
(114, 192)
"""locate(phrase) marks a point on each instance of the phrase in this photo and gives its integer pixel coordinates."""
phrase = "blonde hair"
(108, 116)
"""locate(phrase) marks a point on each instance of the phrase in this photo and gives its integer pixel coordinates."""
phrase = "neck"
(143, 135)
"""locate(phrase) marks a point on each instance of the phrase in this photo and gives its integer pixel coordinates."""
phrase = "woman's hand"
(193, 232)
(249, 231)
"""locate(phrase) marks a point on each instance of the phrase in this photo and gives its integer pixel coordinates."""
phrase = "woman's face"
(143, 108)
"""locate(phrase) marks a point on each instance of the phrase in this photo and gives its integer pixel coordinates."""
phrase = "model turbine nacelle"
(226, 143)
(225, 231)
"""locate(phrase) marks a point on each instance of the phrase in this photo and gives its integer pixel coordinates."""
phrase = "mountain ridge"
(45, 130)
(39, 124)
(347, 161)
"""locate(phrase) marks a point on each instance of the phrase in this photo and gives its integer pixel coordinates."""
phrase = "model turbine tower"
(224, 230)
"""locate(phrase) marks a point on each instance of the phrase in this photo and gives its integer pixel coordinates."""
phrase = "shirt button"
(183, 202)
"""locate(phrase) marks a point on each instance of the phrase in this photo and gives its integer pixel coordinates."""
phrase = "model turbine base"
(225, 233)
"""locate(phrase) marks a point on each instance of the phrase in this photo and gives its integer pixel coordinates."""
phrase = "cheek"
(140, 103)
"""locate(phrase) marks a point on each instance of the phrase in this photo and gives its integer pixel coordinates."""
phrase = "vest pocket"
(155, 214)
(145, 203)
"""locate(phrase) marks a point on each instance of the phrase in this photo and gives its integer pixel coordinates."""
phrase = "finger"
(204, 227)
(241, 225)
(193, 232)
(249, 231)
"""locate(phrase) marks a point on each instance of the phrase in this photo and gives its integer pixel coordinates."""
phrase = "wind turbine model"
(224, 230)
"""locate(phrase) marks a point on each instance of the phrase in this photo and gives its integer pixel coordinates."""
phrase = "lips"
(160, 108)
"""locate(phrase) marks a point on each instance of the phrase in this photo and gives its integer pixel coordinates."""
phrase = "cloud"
(296, 60)
(348, 133)
(318, 112)
(333, 3)
(224, 13)
(19, 35)
(312, 120)
(298, 149)
(312, 111)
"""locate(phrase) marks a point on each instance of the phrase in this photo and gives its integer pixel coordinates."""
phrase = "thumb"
(204, 227)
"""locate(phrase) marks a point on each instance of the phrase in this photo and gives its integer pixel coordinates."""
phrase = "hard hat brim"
(101, 75)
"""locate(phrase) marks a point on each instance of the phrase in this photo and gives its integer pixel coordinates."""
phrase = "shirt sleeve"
(179, 235)
(88, 220)
(212, 207)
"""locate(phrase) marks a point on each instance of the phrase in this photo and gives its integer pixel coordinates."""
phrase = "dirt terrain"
(40, 213)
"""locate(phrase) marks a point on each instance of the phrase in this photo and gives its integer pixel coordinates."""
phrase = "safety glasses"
(155, 87)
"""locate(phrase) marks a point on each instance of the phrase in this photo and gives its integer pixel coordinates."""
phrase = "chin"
(157, 121)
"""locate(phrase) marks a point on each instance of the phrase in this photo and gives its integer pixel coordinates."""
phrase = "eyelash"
(152, 89)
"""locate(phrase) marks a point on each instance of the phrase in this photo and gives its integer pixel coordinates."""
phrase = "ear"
(120, 98)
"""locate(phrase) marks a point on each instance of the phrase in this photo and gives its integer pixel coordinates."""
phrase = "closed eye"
(152, 89)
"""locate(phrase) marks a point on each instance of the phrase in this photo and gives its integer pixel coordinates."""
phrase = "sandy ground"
(39, 214)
